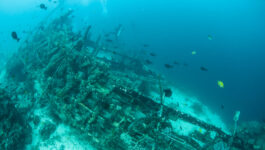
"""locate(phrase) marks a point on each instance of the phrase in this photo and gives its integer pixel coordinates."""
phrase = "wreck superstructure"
(113, 100)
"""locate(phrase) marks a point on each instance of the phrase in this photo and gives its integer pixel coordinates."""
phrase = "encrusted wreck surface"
(15, 132)
(106, 96)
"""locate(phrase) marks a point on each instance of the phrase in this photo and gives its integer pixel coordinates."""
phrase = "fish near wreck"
(43, 6)
(220, 84)
(148, 62)
(210, 37)
(95, 97)
(168, 92)
(203, 69)
(14, 36)
(152, 54)
(176, 63)
(109, 40)
(145, 45)
(168, 66)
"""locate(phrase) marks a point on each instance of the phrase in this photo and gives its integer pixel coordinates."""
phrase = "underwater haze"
(132, 74)
(235, 55)
(173, 29)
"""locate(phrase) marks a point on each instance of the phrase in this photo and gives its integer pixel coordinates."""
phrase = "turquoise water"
(174, 29)
(172, 74)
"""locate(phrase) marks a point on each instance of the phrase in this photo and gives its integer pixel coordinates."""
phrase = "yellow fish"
(220, 84)
(200, 130)
(193, 52)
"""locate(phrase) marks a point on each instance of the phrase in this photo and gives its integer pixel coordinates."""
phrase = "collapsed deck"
(106, 95)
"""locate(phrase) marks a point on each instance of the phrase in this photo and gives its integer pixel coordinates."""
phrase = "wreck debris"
(100, 97)
(15, 131)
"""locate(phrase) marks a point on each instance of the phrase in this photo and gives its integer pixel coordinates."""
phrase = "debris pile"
(15, 132)
(253, 133)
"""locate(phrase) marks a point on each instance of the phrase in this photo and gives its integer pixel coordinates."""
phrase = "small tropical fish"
(222, 106)
(168, 92)
(14, 36)
(109, 40)
(185, 64)
(200, 130)
(210, 37)
(152, 54)
(42, 6)
(176, 63)
(220, 84)
(168, 66)
(148, 62)
(145, 45)
(52, 1)
(193, 53)
(107, 34)
(203, 69)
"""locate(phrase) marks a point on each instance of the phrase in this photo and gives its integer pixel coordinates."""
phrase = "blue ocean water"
(173, 29)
